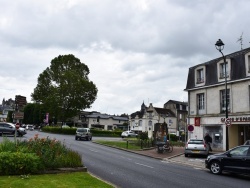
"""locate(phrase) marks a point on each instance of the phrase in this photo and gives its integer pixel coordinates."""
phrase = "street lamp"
(220, 46)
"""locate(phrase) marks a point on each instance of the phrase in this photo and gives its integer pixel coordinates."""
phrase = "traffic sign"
(228, 122)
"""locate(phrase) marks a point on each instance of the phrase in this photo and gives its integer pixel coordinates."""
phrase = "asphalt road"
(126, 169)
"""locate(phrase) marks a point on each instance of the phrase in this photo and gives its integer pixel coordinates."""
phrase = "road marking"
(93, 150)
(144, 165)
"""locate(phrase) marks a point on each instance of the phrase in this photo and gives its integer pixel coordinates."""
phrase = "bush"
(51, 153)
(36, 154)
(72, 131)
(16, 163)
(143, 135)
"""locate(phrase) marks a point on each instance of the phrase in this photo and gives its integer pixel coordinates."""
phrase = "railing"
(200, 80)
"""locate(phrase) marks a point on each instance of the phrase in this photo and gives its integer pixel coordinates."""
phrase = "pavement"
(176, 156)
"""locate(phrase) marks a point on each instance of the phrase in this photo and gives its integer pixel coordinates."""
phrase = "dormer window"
(247, 63)
(200, 75)
(222, 70)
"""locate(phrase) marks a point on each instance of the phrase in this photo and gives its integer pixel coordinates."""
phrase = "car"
(235, 160)
(21, 131)
(247, 142)
(128, 134)
(10, 129)
(196, 146)
(30, 127)
(65, 126)
(83, 133)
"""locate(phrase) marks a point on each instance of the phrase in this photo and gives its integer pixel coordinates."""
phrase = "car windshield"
(81, 130)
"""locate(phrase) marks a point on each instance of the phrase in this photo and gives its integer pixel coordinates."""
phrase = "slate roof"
(106, 116)
(238, 69)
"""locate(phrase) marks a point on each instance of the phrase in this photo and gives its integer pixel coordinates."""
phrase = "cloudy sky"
(136, 50)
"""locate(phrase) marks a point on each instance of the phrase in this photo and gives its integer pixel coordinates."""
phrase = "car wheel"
(186, 155)
(76, 138)
(90, 138)
(215, 167)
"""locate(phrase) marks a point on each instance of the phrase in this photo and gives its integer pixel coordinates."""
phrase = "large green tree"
(64, 87)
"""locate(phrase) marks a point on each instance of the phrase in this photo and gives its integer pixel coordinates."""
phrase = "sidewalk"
(154, 154)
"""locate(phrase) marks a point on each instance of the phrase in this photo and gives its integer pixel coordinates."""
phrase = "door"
(237, 160)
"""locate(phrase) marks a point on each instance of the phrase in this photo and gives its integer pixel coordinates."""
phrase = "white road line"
(144, 165)
(93, 150)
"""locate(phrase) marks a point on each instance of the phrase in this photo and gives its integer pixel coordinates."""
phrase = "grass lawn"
(72, 180)
(120, 144)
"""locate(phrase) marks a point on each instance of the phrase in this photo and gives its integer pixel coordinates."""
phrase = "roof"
(106, 116)
(237, 67)
(164, 111)
(177, 102)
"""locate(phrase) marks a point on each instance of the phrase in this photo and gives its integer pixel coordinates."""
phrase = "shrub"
(143, 135)
(72, 131)
(16, 163)
(52, 151)
(35, 155)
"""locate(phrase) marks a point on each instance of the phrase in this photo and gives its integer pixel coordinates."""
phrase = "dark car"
(247, 142)
(236, 160)
(10, 129)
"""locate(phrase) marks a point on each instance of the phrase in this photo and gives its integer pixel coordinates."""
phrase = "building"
(207, 99)
(180, 110)
(5, 108)
(145, 120)
(102, 121)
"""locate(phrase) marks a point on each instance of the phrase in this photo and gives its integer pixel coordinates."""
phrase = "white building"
(101, 121)
(207, 100)
(145, 119)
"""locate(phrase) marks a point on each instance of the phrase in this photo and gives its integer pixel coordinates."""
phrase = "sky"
(137, 50)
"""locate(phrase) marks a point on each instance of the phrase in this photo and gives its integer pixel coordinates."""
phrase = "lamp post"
(220, 46)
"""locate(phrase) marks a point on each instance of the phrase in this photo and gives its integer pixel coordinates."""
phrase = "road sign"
(228, 122)
(190, 128)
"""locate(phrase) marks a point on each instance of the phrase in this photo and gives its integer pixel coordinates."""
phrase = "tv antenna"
(240, 40)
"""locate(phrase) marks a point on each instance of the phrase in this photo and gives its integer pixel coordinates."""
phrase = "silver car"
(128, 134)
(196, 147)
(83, 133)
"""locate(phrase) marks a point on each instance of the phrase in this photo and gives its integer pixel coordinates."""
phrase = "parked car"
(247, 142)
(21, 131)
(236, 160)
(65, 126)
(30, 127)
(10, 129)
(196, 147)
(83, 133)
(128, 134)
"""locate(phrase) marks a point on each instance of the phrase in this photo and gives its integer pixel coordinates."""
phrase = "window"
(150, 115)
(149, 123)
(201, 101)
(140, 123)
(222, 70)
(200, 76)
(223, 99)
(248, 60)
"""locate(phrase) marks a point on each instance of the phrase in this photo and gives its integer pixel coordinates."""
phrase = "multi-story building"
(101, 121)
(180, 110)
(146, 119)
(207, 99)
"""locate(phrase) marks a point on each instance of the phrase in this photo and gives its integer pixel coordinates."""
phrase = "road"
(126, 169)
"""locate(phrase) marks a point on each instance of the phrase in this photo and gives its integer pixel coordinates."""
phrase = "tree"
(64, 87)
